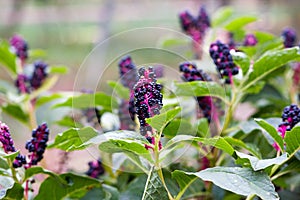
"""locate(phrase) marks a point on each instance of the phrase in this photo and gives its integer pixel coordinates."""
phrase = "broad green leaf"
(58, 69)
(135, 188)
(264, 36)
(36, 53)
(292, 140)
(199, 88)
(90, 101)
(15, 193)
(7, 58)
(258, 164)
(256, 88)
(178, 126)
(68, 121)
(52, 189)
(120, 141)
(269, 62)
(16, 112)
(241, 181)
(240, 143)
(73, 139)
(221, 16)
(239, 22)
(183, 180)
(45, 99)
(7, 87)
(202, 127)
(121, 91)
(242, 60)
(3, 164)
(39, 170)
(160, 121)
(11, 156)
(217, 142)
(272, 131)
(154, 188)
(6, 183)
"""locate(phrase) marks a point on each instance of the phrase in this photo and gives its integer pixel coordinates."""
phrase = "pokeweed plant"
(159, 151)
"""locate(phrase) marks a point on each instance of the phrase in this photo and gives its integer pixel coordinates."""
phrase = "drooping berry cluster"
(19, 47)
(290, 117)
(148, 98)
(95, 169)
(127, 123)
(26, 84)
(5, 138)
(19, 161)
(195, 27)
(220, 53)
(289, 37)
(250, 40)
(128, 72)
(191, 73)
(37, 144)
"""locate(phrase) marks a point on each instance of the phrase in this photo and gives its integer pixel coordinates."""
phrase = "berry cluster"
(128, 72)
(289, 37)
(290, 117)
(125, 113)
(26, 84)
(148, 98)
(250, 40)
(19, 47)
(220, 53)
(195, 26)
(191, 73)
(5, 138)
(95, 169)
(19, 161)
(37, 144)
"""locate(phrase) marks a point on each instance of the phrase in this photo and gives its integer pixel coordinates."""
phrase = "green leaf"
(135, 188)
(202, 127)
(240, 143)
(45, 99)
(239, 22)
(160, 121)
(7, 58)
(15, 193)
(58, 69)
(105, 192)
(121, 91)
(90, 101)
(269, 62)
(36, 53)
(272, 131)
(73, 139)
(217, 142)
(68, 121)
(120, 141)
(258, 164)
(52, 189)
(255, 89)
(199, 88)
(11, 156)
(183, 180)
(178, 126)
(6, 183)
(154, 188)
(242, 60)
(3, 164)
(292, 140)
(241, 181)
(16, 112)
(221, 16)
(169, 42)
(39, 170)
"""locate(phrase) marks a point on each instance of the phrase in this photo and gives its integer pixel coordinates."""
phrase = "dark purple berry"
(19, 47)
(23, 84)
(128, 72)
(95, 169)
(39, 74)
(289, 37)
(250, 40)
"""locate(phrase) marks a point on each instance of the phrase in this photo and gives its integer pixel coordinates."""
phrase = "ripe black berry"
(289, 37)
(95, 169)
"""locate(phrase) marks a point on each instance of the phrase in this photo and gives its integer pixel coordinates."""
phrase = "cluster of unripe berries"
(148, 98)
(195, 26)
(95, 169)
(220, 53)
(36, 146)
(128, 72)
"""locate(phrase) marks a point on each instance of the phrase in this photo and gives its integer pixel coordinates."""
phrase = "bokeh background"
(68, 30)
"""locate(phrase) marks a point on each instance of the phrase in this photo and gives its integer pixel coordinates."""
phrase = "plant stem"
(179, 195)
(250, 197)
(13, 171)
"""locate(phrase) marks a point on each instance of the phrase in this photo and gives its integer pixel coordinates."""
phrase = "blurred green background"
(69, 29)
